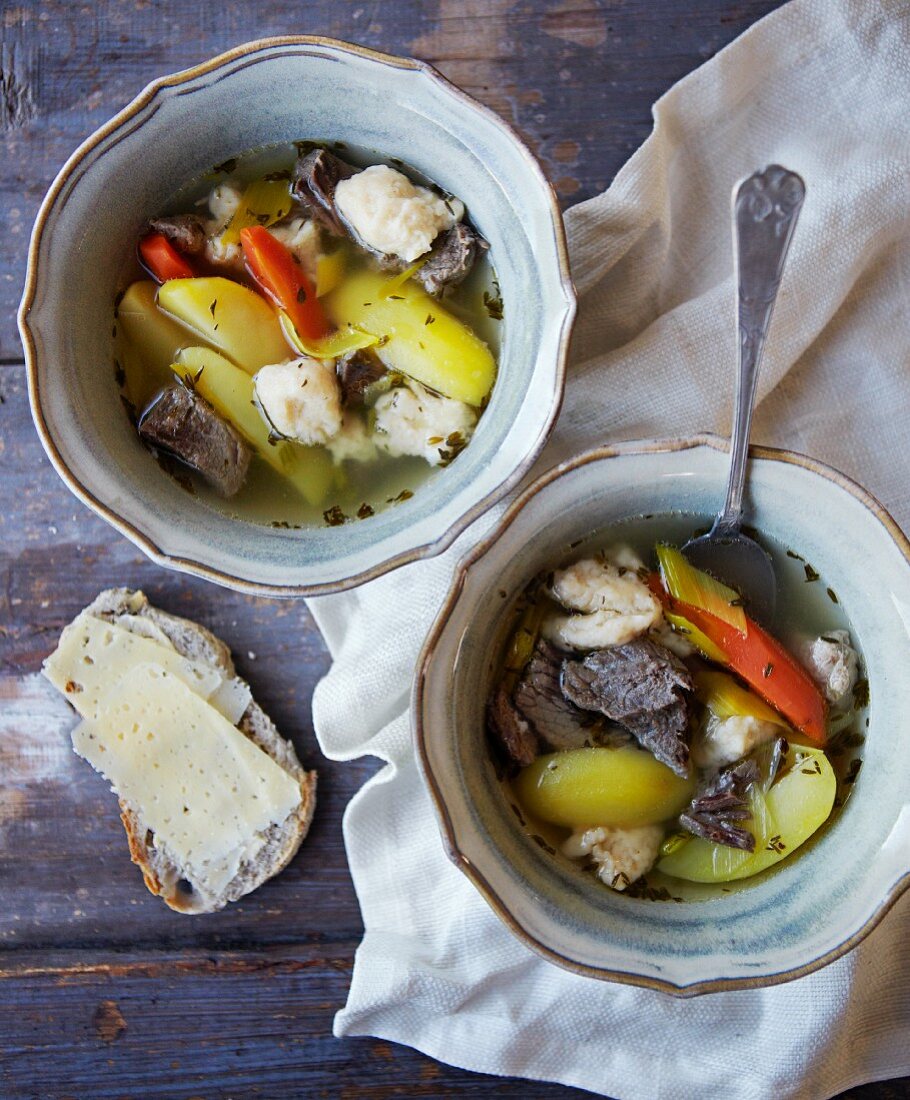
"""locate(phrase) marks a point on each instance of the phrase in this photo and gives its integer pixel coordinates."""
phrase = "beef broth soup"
(318, 338)
(650, 730)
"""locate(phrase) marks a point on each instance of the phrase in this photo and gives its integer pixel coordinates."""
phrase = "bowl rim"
(440, 624)
(192, 565)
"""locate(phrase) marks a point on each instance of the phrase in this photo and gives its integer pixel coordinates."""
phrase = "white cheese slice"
(93, 655)
(207, 792)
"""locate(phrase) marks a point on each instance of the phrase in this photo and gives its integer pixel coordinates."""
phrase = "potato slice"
(229, 390)
(230, 317)
(418, 336)
(623, 787)
(148, 342)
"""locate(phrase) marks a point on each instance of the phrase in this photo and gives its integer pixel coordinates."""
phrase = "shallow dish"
(178, 128)
(784, 924)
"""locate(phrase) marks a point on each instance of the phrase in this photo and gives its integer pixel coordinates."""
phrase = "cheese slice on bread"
(213, 799)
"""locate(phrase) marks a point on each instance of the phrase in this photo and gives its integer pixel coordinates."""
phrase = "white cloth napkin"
(822, 86)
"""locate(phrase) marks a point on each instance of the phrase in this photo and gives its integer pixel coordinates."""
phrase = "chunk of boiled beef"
(725, 800)
(450, 261)
(510, 729)
(185, 231)
(181, 424)
(642, 686)
(558, 723)
(315, 177)
(356, 371)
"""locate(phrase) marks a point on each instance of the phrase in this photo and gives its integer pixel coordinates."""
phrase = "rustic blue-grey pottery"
(271, 91)
(784, 923)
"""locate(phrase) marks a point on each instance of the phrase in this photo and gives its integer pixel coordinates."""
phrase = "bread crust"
(161, 873)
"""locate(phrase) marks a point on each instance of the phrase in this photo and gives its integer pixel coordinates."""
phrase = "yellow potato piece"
(798, 804)
(229, 390)
(418, 336)
(148, 342)
(231, 318)
(599, 786)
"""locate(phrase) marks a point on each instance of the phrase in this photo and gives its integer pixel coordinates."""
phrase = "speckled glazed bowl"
(786, 923)
(273, 91)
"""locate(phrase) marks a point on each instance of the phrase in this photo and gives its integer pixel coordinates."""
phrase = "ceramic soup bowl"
(784, 923)
(279, 90)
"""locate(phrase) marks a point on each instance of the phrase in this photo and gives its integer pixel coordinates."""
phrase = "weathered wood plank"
(103, 991)
(63, 861)
(261, 1027)
(577, 78)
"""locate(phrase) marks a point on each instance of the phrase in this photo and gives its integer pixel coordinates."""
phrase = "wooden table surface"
(103, 991)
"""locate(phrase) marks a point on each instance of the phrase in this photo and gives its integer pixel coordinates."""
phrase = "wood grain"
(103, 991)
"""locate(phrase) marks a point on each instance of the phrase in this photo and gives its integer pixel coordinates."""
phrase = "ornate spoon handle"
(765, 209)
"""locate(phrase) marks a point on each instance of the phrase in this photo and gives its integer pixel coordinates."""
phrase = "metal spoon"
(765, 209)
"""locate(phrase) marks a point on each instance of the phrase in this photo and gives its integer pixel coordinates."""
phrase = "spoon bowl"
(742, 564)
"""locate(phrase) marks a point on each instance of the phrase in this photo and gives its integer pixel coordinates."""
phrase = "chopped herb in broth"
(349, 349)
(645, 726)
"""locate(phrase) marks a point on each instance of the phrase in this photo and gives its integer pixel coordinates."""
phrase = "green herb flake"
(396, 297)
(226, 166)
(832, 596)
(768, 669)
(775, 844)
(853, 771)
(811, 574)
(861, 693)
(365, 511)
(405, 494)
(795, 556)
(430, 319)
(213, 306)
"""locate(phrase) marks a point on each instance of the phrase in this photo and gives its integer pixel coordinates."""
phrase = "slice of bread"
(162, 874)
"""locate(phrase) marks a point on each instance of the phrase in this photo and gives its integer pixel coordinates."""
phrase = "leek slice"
(330, 347)
(264, 202)
(690, 585)
(726, 698)
(701, 641)
(402, 277)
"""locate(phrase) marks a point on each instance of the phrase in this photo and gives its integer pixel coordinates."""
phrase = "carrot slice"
(162, 259)
(767, 668)
(283, 280)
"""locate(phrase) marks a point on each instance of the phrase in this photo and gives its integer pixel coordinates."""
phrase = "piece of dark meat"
(451, 259)
(643, 687)
(185, 231)
(558, 723)
(181, 424)
(356, 371)
(510, 729)
(725, 800)
(316, 175)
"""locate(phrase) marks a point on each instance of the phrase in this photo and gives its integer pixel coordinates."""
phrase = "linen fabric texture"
(821, 86)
